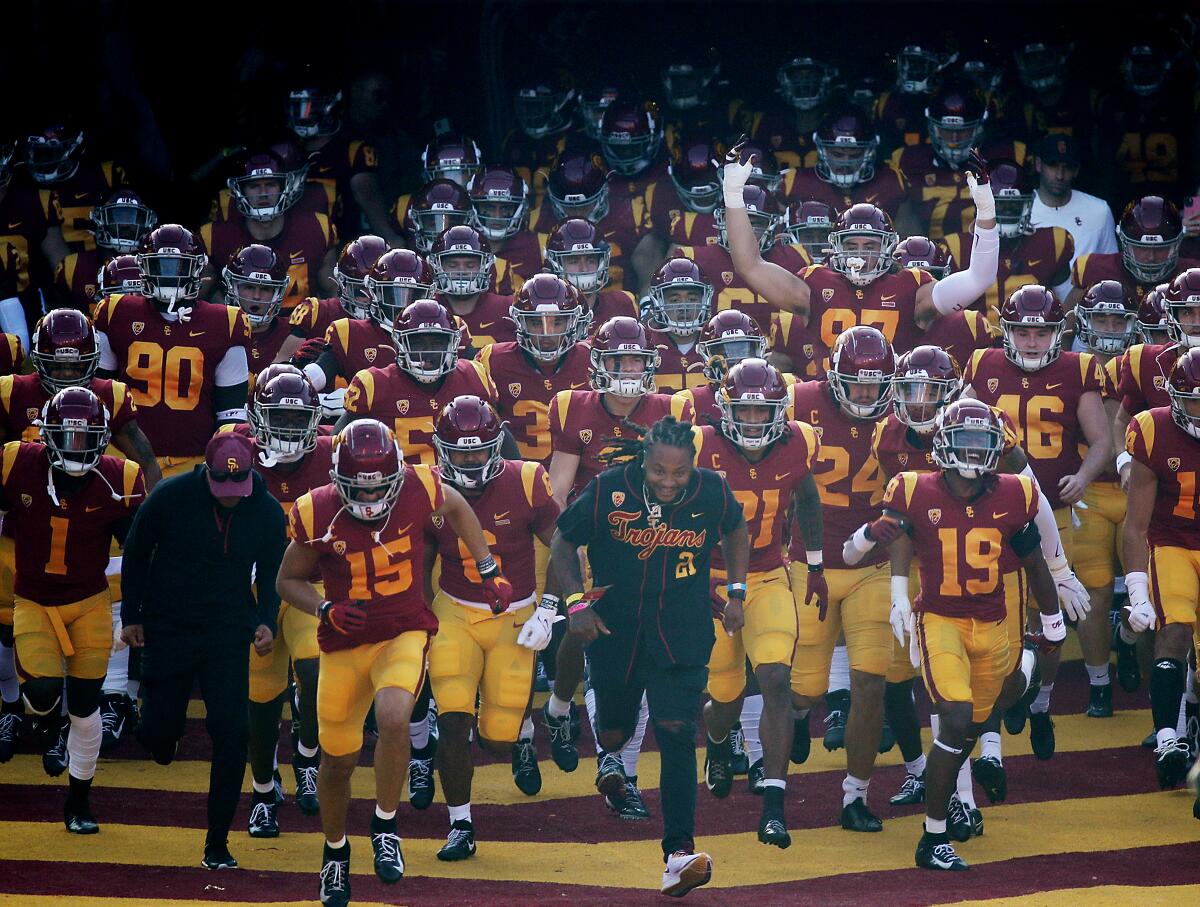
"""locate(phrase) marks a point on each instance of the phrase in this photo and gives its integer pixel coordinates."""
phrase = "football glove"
(1071, 593)
(497, 590)
(536, 632)
(309, 351)
(344, 617)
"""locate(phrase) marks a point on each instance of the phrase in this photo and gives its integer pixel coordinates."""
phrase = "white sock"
(632, 749)
(83, 746)
(263, 787)
(116, 679)
(336, 845)
(751, 717)
(966, 791)
(854, 789)
(527, 728)
(989, 745)
(10, 687)
(589, 703)
(418, 733)
(780, 783)
(839, 669)
(135, 689)
(1042, 703)
(1028, 663)
(917, 766)
(935, 826)
(384, 814)
(1098, 675)
(557, 707)
(460, 813)
(1166, 736)
(305, 751)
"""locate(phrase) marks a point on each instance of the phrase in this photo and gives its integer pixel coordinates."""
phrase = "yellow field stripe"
(1098, 824)
(1100, 896)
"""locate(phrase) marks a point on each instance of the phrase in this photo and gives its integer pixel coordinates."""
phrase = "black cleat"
(1041, 735)
(718, 768)
(117, 713)
(737, 739)
(1129, 673)
(306, 771)
(54, 746)
(911, 792)
(277, 780)
(801, 740)
(610, 776)
(562, 747)
(773, 830)
(887, 739)
(263, 821)
(835, 721)
(77, 816)
(1015, 717)
(856, 817)
(755, 777)
(385, 843)
(335, 877)
(10, 733)
(217, 856)
(526, 774)
(989, 772)
(1150, 741)
(420, 776)
(976, 816)
(460, 844)
(1100, 701)
(541, 680)
(936, 852)
(958, 822)
(1171, 763)
(630, 805)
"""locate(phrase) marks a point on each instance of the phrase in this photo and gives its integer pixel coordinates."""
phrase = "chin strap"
(112, 492)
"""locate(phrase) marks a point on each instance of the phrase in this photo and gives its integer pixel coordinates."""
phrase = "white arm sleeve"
(108, 359)
(1052, 548)
(232, 369)
(12, 320)
(957, 291)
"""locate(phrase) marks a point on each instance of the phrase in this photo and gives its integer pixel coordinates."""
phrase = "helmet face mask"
(916, 69)
(64, 350)
(427, 354)
(1183, 388)
(499, 203)
(752, 401)
(75, 429)
(453, 160)
(52, 155)
(622, 359)
(861, 255)
(467, 440)
(968, 441)
(953, 137)
(267, 195)
(1107, 319)
(1042, 67)
(1013, 211)
(862, 370)
(388, 300)
(765, 220)
(724, 352)
(284, 414)
(259, 295)
(352, 292)
(541, 111)
(804, 82)
(1149, 259)
(845, 162)
(681, 307)
(1032, 323)
(171, 273)
(313, 112)
(630, 137)
(463, 272)
(586, 269)
(368, 469)
(354, 263)
(121, 223)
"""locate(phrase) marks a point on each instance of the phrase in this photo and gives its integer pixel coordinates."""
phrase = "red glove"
(817, 592)
(1038, 640)
(498, 591)
(345, 617)
(884, 530)
(309, 351)
(977, 163)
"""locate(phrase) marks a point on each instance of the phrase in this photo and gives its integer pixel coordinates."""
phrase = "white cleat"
(684, 872)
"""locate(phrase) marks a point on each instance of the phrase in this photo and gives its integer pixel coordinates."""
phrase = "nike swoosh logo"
(997, 516)
(1033, 262)
(16, 224)
(81, 195)
(500, 516)
(781, 476)
(579, 385)
(195, 333)
(485, 324)
(1051, 387)
(887, 298)
(696, 516)
(92, 509)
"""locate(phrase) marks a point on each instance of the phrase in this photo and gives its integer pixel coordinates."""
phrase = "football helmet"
(255, 280)
(350, 273)
(694, 174)
(437, 206)
(1031, 306)
(469, 431)
(969, 438)
(398, 278)
(547, 312)
(846, 145)
(499, 202)
(121, 222)
(804, 83)
(1042, 66)
(863, 245)
(680, 297)
(1014, 197)
(314, 109)
(922, 252)
(1107, 317)
(284, 414)
(686, 84)
(577, 253)
(1145, 69)
(1149, 233)
(810, 223)
(64, 350)
(753, 385)
(578, 187)
(426, 340)
(917, 68)
(631, 134)
(118, 276)
(367, 461)
(171, 260)
(452, 255)
(1183, 387)
(267, 184)
(981, 65)
(955, 118)
(594, 99)
(1152, 316)
(1182, 301)
(620, 339)
(862, 358)
(75, 428)
(8, 150)
(53, 151)
(728, 338)
(542, 110)
(927, 380)
(764, 166)
(766, 213)
(453, 158)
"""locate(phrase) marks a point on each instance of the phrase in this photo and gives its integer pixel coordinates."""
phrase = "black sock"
(383, 826)
(259, 797)
(773, 799)
(78, 789)
(1167, 679)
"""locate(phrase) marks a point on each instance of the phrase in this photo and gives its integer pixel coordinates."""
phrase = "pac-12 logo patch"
(585, 435)
(339, 547)
(935, 515)
(993, 384)
(1173, 462)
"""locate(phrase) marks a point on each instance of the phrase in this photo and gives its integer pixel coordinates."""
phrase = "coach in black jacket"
(187, 585)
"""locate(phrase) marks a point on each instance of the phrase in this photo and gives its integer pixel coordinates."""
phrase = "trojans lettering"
(650, 539)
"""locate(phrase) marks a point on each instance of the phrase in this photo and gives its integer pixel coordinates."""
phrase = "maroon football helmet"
(680, 297)
(548, 312)
(578, 187)
(595, 97)
(542, 110)
(927, 379)
(266, 185)
(694, 173)
(1107, 317)
(804, 83)
(452, 157)
(630, 135)
(437, 206)
(398, 278)
(863, 245)
(1032, 306)
(1152, 316)
(728, 338)
(284, 413)
(576, 252)
(467, 438)
(64, 351)
(862, 369)
(1042, 65)
(367, 460)
(621, 339)
(846, 144)
(955, 116)
(969, 438)
(809, 224)
(499, 202)
(426, 340)
(1149, 234)
(118, 276)
(1182, 301)
(314, 107)
(1183, 387)
(171, 260)
(350, 273)
(917, 68)
(74, 428)
(922, 252)
(764, 166)
(1145, 68)
(121, 222)
(766, 212)
(255, 280)
(53, 150)
(753, 388)
(463, 261)
(1014, 197)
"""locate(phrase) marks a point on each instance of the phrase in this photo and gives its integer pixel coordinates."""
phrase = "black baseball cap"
(1056, 148)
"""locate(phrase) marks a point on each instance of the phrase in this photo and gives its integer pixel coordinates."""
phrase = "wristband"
(736, 590)
(899, 588)
(323, 611)
(733, 197)
(486, 567)
(816, 560)
(1138, 583)
(861, 540)
(577, 602)
(549, 602)
(1123, 458)
(1053, 627)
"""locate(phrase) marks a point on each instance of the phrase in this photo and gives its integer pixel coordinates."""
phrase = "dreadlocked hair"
(667, 430)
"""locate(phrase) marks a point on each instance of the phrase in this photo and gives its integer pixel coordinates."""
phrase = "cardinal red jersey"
(75, 279)
(676, 370)
(686, 228)
(961, 333)
(1147, 145)
(514, 507)
(888, 303)
(580, 425)
(960, 543)
(1144, 368)
(940, 193)
(800, 343)
(764, 488)
(22, 398)
(900, 449)
(25, 218)
(621, 228)
(335, 164)
(376, 564)
(316, 199)
(1155, 441)
(265, 345)
(287, 482)
(902, 116)
(1043, 257)
(644, 186)
(90, 184)
(312, 317)
(1110, 372)
(1094, 267)
(1044, 405)
(887, 189)
(488, 322)
(532, 158)
(611, 304)
(12, 354)
(170, 366)
(411, 407)
(703, 400)
(780, 130)
(302, 243)
(847, 473)
(525, 390)
(522, 258)
(732, 291)
(62, 549)
(359, 343)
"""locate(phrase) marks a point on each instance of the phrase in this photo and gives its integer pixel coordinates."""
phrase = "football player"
(463, 265)
(500, 211)
(685, 217)
(1054, 399)
(577, 252)
(1152, 317)
(312, 317)
(255, 280)
(900, 110)
(66, 501)
(119, 224)
(365, 534)
(753, 442)
(430, 211)
(631, 141)
(543, 112)
(185, 360)
(680, 306)
(804, 84)
(728, 338)
(481, 662)
(452, 156)
(959, 628)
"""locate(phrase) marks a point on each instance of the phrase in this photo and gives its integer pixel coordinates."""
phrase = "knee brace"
(83, 696)
(42, 695)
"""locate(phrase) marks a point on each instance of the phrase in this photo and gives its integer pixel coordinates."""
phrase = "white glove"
(535, 632)
(117, 642)
(734, 181)
(333, 404)
(901, 614)
(981, 194)
(1141, 613)
(1071, 593)
(914, 651)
